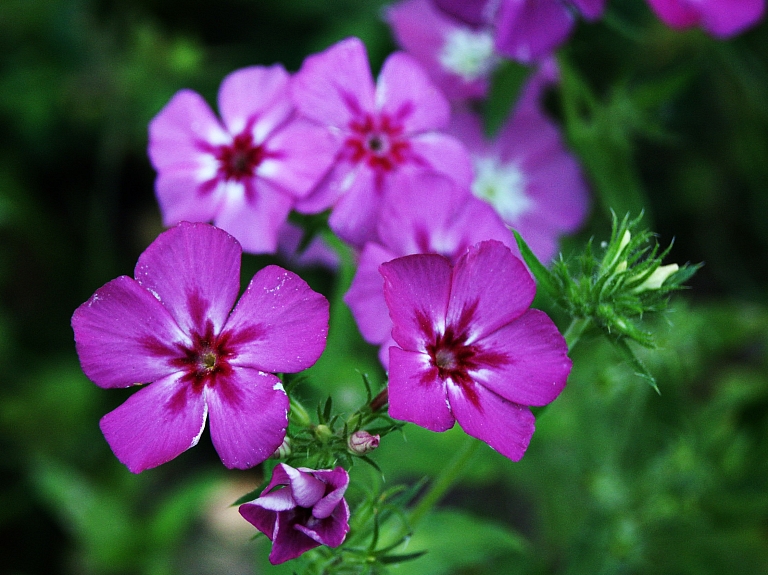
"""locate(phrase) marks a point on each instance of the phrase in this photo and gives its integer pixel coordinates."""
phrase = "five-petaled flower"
(301, 509)
(384, 132)
(469, 349)
(172, 326)
(244, 173)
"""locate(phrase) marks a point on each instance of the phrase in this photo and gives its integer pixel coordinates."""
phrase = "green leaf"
(544, 278)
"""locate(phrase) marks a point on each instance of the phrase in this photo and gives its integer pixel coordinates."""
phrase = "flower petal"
(249, 416)
(537, 365)
(336, 85)
(473, 12)
(490, 288)
(408, 96)
(355, 215)
(416, 289)
(305, 487)
(262, 519)
(179, 129)
(365, 297)
(505, 426)
(280, 323)
(256, 97)
(179, 193)
(332, 530)
(256, 220)
(125, 336)
(338, 480)
(528, 30)
(288, 542)
(416, 394)
(155, 424)
(444, 154)
(194, 270)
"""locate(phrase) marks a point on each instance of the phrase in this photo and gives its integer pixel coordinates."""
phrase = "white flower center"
(502, 186)
(467, 54)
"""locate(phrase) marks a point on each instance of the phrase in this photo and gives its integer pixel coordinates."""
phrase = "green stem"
(445, 480)
(574, 331)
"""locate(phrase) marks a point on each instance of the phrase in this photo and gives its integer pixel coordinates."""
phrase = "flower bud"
(657, 278)
(323, 432)
(283, 451)
(362, 442)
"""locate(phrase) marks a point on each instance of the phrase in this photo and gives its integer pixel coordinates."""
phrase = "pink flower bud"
(362, 442)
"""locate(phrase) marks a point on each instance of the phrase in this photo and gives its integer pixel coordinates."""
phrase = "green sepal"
(544, 278)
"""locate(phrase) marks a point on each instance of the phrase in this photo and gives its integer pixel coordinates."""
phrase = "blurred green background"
(617, 479)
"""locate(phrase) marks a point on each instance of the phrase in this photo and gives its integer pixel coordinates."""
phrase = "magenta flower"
(383, 130)
(525, 30)
(172, 326)
(458, 57)
(301, 509)
(469, 349)
(526, 173)
(414, 223)
(245, 174)
(721, 18)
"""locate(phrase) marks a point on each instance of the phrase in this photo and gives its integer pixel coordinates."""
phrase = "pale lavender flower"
(721, 18)
(171, 327)
(383, 131)
(301, 509)
(468, 348)
(244, 172)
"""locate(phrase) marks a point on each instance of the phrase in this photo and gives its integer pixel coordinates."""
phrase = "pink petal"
(505, 426)
(125, 336)
(490, 288)
(365, 297)
(338, 480)
(303, 155)
(249, 416)
(155, 424)
(177, 131)
(406, 94)
(334, 86)
(537, 365)
(473, 12)
(256, 220)
(331, 531)
(277, 500)
(257, 96)
(179, 194)
(590, 9)
(305, 487)
(416, 289)
(726, 18)
(528, 30)
(194, 270)
(355, 215)
(675, 13)
(445, 155)
(288, 542)
(416, 394)
(280, 322)
(262, 519)
(329, 189)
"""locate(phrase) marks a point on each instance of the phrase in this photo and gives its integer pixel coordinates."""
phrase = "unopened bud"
(283, 451)
(323, 432)
(657, 278)
(362, 442)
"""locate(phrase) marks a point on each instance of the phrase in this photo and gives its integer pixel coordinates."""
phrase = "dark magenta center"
(239, 160)
(378, 141)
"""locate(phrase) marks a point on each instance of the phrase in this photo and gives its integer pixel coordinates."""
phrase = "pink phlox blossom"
(244, 172)
(524, 30)
(525, 172)
(721, 18)
(458, 57)
(425, 215)
(382, 130)
(301, 509)
(317, 253)
(468, 348)
(171, 327)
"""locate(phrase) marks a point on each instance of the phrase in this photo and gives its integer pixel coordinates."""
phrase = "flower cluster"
(425, 199)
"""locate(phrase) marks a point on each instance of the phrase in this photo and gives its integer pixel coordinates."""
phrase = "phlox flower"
(524, 30)
(425, 215)
(301, 509)
(244, 172)
(171, 327)
(458, 57)
(525, 172)
(468, 348)
(382, 130)
(721, 18)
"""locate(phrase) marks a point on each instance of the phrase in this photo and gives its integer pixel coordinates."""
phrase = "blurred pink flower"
(721, 18)
(244, 173)
(381, 131)
(301, 509)
(172, 326)
(468, 348)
